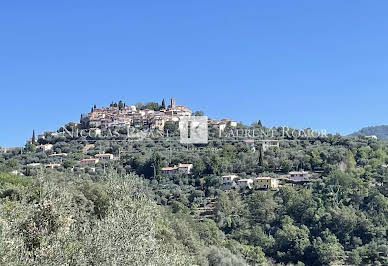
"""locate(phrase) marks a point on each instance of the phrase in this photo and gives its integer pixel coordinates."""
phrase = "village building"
(52, 165)
(33, 164)
(229, 181)
(245, 183)
(269, 143)
(250, 143)
(266, 183)
(44, 147)
(104, 156)
(129, 116)
(229, 122)
(9, 149)
(182, 168)
(89, 162)
(299, 176)
(17, 172)
(58, 155)
(166, 171)
(185, 168)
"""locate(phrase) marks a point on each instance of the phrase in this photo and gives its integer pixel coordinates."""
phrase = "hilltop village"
(153, 116)
(150, 116)
(253, 197)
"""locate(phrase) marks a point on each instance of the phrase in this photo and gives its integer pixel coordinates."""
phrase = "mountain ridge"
(380, 131)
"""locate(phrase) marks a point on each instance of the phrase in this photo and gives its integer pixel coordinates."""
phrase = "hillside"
(120, 185)
(379, 131)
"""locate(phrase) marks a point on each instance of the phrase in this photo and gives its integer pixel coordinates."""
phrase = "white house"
(33, 164)
(52, 165)
(17, 172)
(245, 183)
(250, 143)
(44, 147)
(185, 168)
(229, 122)
(270, 143)
(229, 181)
(299, 176)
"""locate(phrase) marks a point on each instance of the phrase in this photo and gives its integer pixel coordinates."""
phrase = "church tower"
(172, 102)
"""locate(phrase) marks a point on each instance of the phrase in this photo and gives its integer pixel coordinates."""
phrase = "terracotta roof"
(89, 160)
(169, 168)
(184, 165)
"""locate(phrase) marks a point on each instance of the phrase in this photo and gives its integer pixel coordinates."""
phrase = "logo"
(193, 130)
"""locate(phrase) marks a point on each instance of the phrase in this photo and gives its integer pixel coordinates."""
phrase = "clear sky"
(319, 64)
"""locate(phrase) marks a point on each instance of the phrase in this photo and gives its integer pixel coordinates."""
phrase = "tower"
(172, 102)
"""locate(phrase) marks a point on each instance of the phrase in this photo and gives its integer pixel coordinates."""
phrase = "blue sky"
(319, 64)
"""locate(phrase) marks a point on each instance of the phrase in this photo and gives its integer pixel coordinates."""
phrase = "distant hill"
(379, 131)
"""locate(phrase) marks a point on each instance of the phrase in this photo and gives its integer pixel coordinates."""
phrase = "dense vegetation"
(126, 212)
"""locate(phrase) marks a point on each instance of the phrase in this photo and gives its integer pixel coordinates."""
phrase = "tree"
(328, 249)
(121, 105)
(156, 164)
(292, 241)
(163, 104)
(222, 256)
(152, 106)
(33, 140)
(198, 113)
(261, 156)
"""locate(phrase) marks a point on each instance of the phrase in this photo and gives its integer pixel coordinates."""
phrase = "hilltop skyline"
(301, 64)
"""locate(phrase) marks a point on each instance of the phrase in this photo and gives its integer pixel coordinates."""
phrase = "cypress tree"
(33, 136)
(163, 104)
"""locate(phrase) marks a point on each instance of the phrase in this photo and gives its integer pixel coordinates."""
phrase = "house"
(89, 162)
(270, 143)
(9, 149)
(104, 156)
(33, 164)
(250, 143)
(44, 147)
(52, 165)
(299, 176)
(266, 183)
(16, 172)
(245, 183)
(185, 168)
(229, 181)
(229, 122)
(165, 171)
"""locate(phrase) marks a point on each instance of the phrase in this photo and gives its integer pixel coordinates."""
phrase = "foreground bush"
(81, 223)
